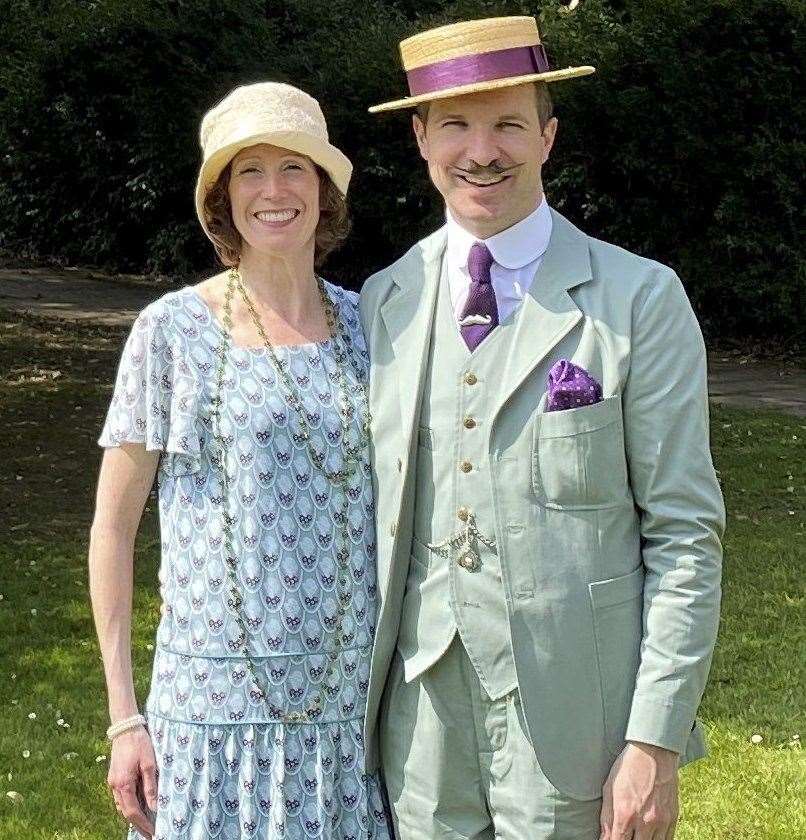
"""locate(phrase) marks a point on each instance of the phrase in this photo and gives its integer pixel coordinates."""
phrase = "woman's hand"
(133, 769)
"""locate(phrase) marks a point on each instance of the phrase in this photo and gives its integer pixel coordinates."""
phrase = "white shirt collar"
(515, 247)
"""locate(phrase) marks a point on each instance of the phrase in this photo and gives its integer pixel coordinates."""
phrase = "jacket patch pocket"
(618, 605)
(578, 459)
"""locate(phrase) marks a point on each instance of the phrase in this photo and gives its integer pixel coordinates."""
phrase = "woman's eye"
(293, 166)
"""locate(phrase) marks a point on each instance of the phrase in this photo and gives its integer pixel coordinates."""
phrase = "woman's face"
(274, 194)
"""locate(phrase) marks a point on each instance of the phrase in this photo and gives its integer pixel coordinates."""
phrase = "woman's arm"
(126, 477)
(127, 474)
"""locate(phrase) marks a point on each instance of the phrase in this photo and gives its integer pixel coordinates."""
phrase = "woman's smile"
(277, 218)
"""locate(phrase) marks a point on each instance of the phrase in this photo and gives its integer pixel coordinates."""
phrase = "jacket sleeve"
(681, 509)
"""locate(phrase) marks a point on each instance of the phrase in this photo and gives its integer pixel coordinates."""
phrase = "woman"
(246, 394)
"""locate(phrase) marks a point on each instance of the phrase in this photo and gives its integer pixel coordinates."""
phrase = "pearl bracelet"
(124, 726)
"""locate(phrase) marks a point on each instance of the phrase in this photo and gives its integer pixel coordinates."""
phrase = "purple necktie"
(481, 306)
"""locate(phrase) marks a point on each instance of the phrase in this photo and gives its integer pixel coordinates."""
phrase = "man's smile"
(481, 181)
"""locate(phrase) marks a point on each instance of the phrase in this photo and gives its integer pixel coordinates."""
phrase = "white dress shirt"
(517, 252)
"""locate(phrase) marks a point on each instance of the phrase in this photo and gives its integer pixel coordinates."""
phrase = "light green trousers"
(459, 766)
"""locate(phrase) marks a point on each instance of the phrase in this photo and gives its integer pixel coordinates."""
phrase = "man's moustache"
(493, 168)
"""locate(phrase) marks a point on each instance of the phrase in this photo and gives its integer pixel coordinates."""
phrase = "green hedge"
(686, 145)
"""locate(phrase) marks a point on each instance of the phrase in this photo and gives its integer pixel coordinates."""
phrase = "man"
(549, 519)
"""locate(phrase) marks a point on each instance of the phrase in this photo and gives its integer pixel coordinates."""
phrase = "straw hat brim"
(331, 159)
(478, 87)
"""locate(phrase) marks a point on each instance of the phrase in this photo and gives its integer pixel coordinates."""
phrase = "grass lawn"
(54, 386)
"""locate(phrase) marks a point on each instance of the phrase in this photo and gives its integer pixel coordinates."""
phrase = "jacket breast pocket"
(578, 459)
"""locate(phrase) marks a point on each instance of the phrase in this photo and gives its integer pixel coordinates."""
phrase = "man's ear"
(419, 133)
(549, 135)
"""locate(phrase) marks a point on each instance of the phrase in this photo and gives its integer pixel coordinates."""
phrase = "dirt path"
(77, 295)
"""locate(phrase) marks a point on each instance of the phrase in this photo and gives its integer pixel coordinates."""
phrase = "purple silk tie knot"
(480, 315)
(479, 262)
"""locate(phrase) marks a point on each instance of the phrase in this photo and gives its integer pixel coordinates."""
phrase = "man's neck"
(484, 229)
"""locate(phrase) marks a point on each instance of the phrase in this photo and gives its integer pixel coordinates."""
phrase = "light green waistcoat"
(445, 593)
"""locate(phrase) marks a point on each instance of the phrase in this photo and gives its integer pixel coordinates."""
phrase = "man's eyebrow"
(501, 118)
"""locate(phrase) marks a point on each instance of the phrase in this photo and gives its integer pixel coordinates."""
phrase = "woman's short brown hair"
(331, 231)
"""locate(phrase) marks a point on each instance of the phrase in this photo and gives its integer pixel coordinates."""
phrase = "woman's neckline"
(258, 349)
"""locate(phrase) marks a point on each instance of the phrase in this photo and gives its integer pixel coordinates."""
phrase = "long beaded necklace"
(343, 354)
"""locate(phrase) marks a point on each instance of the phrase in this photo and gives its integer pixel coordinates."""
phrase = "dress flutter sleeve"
(154, 401)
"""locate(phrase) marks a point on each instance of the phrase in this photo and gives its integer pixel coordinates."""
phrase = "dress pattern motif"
(228, 767)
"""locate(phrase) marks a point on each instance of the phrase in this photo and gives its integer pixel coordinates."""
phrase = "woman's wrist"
(125, 725)
(122, 700)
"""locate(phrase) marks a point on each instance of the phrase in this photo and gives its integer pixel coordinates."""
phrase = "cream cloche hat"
(266, 112)
(473, 56)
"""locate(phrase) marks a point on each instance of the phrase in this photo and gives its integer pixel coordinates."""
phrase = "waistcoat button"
(465, 466)
(470, 423)
(463, 513)
(471, 379)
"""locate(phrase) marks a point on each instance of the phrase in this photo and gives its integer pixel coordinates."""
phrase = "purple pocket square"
(571, 386)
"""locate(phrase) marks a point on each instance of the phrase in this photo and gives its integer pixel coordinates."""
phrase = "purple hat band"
(480, 67)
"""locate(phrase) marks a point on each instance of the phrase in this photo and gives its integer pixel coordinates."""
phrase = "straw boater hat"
(266, 112)
(473, 56)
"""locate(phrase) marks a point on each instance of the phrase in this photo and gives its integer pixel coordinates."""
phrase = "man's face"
(484, 153)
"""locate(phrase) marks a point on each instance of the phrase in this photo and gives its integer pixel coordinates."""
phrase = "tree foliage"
(686, 146)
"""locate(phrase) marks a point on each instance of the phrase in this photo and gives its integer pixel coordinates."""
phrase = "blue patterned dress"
(227, 767)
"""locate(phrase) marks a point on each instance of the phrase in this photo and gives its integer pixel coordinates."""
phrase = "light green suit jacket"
(608, 517)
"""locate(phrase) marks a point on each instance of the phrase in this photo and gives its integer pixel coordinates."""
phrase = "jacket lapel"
(549, 313)
(408, 318)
